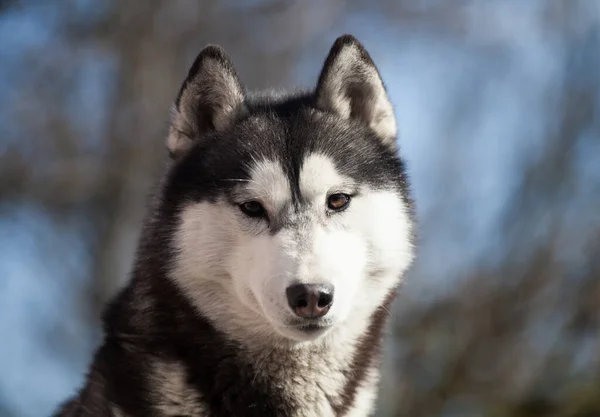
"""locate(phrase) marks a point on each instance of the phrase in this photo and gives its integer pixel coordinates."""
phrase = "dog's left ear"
(351, 87)
(210, 99)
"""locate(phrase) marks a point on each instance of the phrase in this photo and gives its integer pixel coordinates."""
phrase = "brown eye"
(338, 202)
(252, 209)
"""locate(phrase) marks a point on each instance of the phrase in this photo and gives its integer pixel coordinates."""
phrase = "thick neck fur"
(188, 366)
(164, 357)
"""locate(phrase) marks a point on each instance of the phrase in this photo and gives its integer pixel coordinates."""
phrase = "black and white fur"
(203, 328)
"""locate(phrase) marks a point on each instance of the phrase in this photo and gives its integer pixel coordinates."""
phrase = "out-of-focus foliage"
(499, 112)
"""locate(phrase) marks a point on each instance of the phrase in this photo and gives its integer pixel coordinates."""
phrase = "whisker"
(264, 361)
(388, 311)
(237, 179)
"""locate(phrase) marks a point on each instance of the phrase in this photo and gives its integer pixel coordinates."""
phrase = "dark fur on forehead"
(285, 129)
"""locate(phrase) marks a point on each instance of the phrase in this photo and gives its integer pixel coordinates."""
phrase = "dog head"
(291, 213)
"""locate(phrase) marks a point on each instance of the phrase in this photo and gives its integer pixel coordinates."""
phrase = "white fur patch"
(269, 185)
(364, 400)
(207, 242)
(117, 412)
(318, 176)
(173, 396)
(378, 219)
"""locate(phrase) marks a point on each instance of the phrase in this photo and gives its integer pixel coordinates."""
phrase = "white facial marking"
(319, 176)
(269, 184)
(210, 247)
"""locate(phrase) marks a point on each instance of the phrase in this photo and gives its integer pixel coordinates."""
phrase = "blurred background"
(499, 112)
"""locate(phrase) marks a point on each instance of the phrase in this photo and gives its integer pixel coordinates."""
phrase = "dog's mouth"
(310, 329)
(304, 332)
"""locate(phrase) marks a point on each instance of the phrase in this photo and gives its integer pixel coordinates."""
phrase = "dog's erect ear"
(211, 98)
(351, 87)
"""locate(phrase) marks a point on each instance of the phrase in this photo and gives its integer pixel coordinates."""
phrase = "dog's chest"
(172, 395)
(312, 381)
(296, 384)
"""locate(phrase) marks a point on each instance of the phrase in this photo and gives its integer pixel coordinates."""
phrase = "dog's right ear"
(210, 99)
(351, 87)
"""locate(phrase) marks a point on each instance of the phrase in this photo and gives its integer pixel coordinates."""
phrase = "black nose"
(310, 300)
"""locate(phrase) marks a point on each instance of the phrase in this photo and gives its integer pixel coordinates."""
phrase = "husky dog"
(267, 265)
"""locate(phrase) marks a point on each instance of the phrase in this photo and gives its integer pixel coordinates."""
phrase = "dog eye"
(338, 202)
(252, 209)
